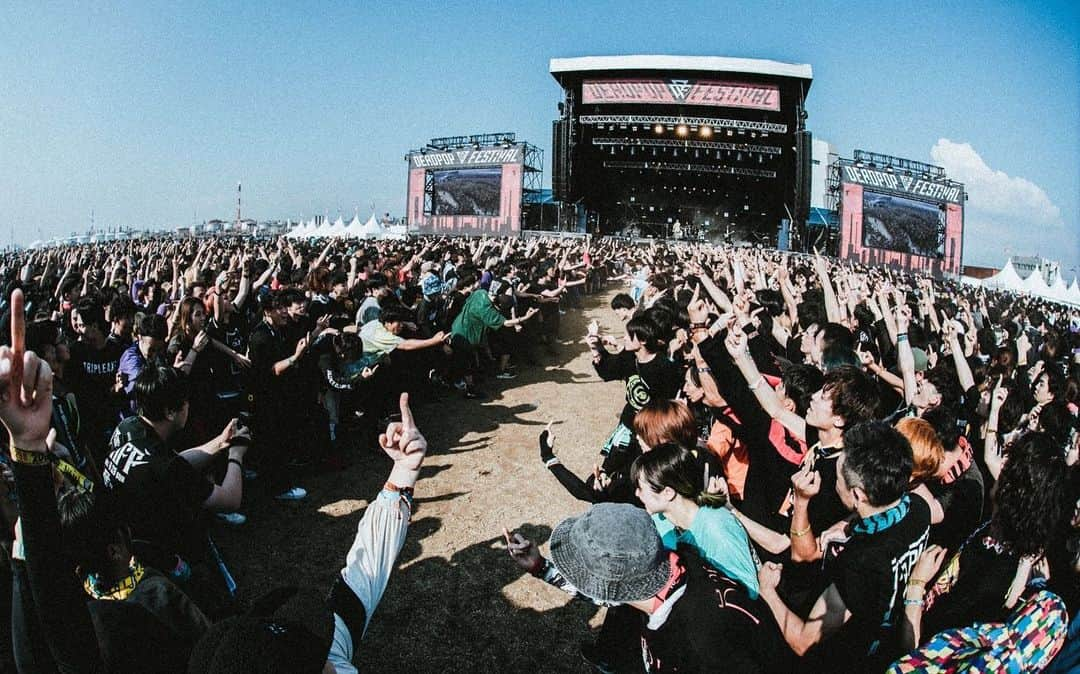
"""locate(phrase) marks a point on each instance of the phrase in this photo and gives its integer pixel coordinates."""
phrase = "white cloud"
(993, 192)
(1004, 215)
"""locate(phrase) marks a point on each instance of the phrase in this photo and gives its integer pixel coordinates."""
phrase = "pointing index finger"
(406, 413)
(18, 342)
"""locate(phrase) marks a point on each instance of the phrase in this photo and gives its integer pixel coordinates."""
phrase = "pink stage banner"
(686, 92)
(852, 248)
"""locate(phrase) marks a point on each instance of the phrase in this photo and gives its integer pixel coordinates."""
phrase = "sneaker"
(506, 374)
(292, 494)
(235, 519)
(591, 654)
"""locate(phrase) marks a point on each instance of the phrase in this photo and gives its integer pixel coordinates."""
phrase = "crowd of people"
(817, 467)
(826, 468)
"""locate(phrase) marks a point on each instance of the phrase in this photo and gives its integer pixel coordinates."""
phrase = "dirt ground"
(456, 602)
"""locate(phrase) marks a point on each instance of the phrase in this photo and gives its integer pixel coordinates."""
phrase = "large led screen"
(902, 225)
(467, 191)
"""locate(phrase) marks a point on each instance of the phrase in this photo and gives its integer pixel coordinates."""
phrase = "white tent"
(1074, 292)
(318, 231)
(300, 231)
(371, 229)
(1036, 284)
(1006, 279)
(355, 230)
(335, 229)
(1059, 292)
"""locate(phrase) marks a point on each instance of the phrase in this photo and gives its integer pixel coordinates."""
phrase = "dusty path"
(456, 601)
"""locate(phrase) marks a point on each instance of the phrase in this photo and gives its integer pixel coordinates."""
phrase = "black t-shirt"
(962, 501)
(658, 379)
(91, 375)
(715, 627)
(266, 347)
(226, 374)
(870, 572)
(160, 494)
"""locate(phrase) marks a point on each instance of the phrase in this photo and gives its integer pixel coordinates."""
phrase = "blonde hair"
(927, 452)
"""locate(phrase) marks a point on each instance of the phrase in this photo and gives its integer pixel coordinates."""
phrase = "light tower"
(238, 207)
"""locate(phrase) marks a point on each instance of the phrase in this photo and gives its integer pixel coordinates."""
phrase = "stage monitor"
(475, 191)
(466, 190)
(903, 225)
(893, 216)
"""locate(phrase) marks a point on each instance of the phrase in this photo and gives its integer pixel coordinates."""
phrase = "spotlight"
(681, 130)
(476, 146)
(706, 132)
(659, 129)
(888, 169)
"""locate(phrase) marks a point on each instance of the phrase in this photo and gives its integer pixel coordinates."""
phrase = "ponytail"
(707, 499)
(672, 465)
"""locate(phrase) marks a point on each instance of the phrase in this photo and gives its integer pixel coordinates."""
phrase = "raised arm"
(963, 370)
(832, 305)
(904, 355)
(26, 413)
(736, 344)
(992, 453)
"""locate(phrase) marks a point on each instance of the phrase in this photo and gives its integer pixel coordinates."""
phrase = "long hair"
(666, 421)
(1031, 497)
(183, 326)
(671, 465)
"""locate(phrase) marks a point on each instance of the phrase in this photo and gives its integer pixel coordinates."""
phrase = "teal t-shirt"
(720, 540)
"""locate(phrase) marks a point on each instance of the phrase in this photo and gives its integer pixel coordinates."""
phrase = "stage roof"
(719, 64)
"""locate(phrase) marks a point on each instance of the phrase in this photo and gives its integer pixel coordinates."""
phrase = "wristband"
(917, 582)
(914, 602)
(992, 430)
(27, 457)
(705, 370)
(404, 491)
(756, 384)
(902, 337)
(552, 462)
(238, 462)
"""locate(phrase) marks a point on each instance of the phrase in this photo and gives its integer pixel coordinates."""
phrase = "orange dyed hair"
(666, 421)
(926, 449)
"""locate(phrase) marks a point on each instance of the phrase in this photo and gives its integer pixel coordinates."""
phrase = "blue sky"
(150, 114)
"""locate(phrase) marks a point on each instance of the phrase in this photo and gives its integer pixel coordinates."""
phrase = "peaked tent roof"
(336, 229)
(1036, 285)
(1058, 290)
(371, 229)
(1006, 279)
(355, 228)
(1074, 292)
